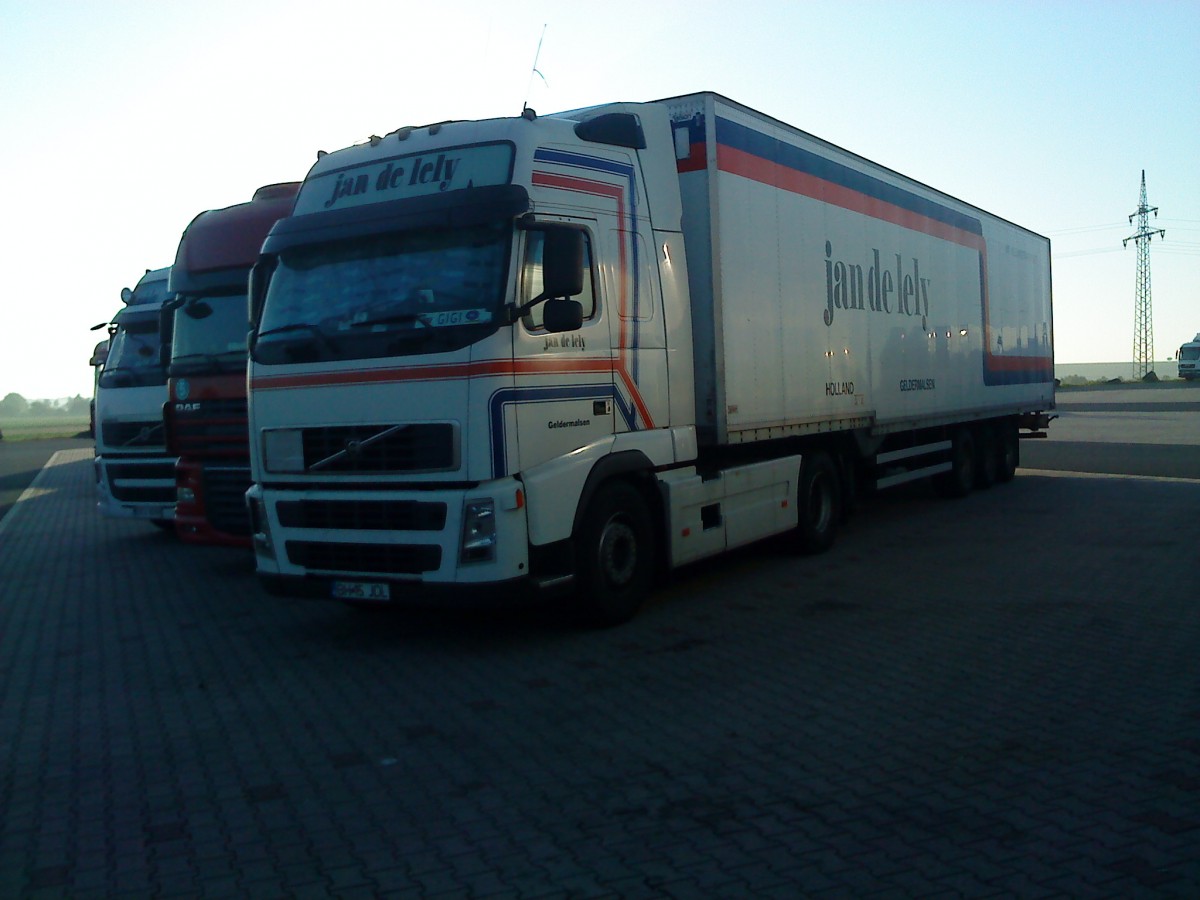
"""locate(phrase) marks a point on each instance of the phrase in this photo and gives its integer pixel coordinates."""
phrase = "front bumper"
(418, 543)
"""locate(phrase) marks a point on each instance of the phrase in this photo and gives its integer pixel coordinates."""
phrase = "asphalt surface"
(998, 696)
(20, 462)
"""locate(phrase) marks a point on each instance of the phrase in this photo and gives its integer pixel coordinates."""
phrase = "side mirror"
(256, 294)
(198, 309)
(166, 330)
(562, 315)
(126, 295)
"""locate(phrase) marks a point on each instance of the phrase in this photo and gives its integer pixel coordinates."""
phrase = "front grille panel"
(219, 428)
(133, 435)
(225, 499)
(164, 496)
(127, 482)
(383, 559)
(371, 515)
(426, 447)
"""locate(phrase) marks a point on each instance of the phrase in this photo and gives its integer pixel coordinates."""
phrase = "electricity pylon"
(1143, 318)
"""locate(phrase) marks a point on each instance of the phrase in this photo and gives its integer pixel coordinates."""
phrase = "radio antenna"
(535, 70)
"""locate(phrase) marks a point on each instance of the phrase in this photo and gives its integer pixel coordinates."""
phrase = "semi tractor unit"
(576, 351)
(135, 475)
(205, 326)
(1189, 359)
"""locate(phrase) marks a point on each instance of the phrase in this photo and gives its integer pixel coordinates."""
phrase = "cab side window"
(531, 279)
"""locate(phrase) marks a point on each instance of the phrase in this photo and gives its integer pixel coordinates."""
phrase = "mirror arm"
(519, 312)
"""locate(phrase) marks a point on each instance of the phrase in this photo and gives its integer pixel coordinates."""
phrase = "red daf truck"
(205, 329)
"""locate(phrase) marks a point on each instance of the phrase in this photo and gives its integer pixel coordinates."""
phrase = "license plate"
(366, 591)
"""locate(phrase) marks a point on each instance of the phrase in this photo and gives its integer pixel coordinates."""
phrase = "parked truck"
(575, 351)
(205, 326)
(135, 476)
(1189, 359)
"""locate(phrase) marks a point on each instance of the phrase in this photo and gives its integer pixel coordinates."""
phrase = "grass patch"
(37, 428)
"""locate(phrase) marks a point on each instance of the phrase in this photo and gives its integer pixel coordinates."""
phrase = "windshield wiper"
(397, 319)
(314, 330)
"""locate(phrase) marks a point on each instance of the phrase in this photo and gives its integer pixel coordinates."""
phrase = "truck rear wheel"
(1008, 446)
(819, 498)
(614, 552)
(961, 477)
(987, 456)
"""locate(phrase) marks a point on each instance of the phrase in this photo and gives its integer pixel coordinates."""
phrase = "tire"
(1008, 446)
(959, 481)
(614, 552)
(819, 503)
(987, 456)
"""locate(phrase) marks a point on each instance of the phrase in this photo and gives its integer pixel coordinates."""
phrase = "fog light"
(478, 531)
(260, 527)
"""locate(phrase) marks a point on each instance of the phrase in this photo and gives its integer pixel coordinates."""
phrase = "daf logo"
(182, 389)
(187, 407)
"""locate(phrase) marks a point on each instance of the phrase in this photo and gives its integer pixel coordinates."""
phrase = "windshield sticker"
(401, 177)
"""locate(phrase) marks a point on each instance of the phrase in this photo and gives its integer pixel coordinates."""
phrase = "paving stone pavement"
(998, 696)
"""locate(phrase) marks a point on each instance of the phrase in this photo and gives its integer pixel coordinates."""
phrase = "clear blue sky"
(122, 120)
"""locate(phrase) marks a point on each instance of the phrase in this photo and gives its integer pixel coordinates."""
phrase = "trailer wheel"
(819, 498)
(1008, 446)
(961, 477)
(987, 456)
(614, 549)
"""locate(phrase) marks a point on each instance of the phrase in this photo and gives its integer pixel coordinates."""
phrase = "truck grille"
(392, 515)
(225, 499)
(140, 435)
(121, 475)
(219, 429)
(427, 447)
(386, 559)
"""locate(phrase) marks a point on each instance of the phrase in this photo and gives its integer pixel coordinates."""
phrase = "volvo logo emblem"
(354, 449)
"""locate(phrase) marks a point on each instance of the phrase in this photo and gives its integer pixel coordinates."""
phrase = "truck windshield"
(1189, 352)
(133, 359)
(387, 295)
(209, 334)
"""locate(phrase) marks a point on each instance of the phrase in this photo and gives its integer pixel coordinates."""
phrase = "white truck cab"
(1189, 359)
(135, 478)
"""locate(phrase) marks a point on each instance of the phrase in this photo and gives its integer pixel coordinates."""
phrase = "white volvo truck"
(576, 350)
(135, 476)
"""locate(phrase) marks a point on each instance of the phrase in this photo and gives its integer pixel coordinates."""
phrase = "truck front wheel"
(614, 550)
(819, 500)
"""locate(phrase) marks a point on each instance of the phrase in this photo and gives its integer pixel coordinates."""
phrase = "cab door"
(563, 391)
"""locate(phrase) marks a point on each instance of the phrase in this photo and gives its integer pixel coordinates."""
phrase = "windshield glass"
(209, 334)
(133, 359)
(387, 295)
(1189, 353)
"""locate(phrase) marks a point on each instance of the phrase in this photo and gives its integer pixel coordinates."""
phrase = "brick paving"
(998, 696)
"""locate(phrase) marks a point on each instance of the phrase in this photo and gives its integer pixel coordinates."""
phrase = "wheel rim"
(618, 552)
(820, 504)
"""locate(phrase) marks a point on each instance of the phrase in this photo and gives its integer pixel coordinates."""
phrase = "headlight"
(283, 450)
(478, 531)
